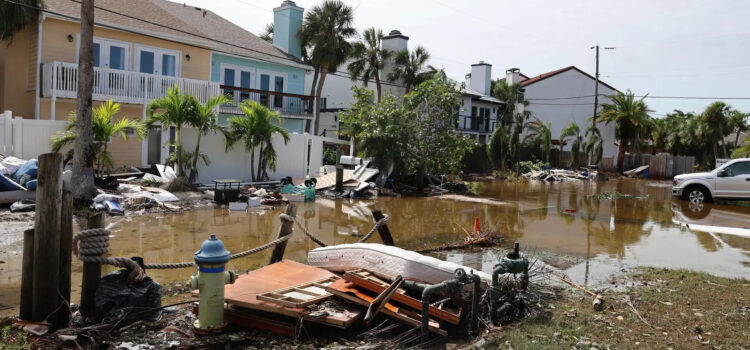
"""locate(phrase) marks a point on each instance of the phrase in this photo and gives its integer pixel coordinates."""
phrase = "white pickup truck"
(728, 181)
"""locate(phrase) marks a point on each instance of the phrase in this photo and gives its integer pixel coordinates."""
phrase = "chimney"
(287, 20)
(394, 42)
(513, 76)
(481, 75)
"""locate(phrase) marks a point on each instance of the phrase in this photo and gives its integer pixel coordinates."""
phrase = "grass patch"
(665, 309)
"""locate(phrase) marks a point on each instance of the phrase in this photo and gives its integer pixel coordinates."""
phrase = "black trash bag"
(107, 183)
(23, 205)
(116, 299)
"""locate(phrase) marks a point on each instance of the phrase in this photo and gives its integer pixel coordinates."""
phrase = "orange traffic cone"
(476, 226)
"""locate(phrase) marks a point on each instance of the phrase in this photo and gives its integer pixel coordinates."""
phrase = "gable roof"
(178, 22)
(541, 77)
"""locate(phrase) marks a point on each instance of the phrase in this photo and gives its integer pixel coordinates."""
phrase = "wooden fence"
(661, 166)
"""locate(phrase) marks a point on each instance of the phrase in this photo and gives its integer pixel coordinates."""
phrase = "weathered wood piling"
(92, 273)
(383, 230)
(287, 227)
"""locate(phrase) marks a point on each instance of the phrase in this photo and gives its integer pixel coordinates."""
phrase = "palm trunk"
(377, 85)
(314, 90)
(620, 156)
(319, 88)
(178, 150)
(261, 163)
(85, 154)
(252, 164)
(194, 167)
(737, 139)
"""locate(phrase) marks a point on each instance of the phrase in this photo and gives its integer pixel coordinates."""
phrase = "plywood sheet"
(281, 275)
(347, 290)
(329, 180)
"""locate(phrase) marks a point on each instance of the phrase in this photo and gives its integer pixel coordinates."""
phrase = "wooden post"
(66, 251)
(383, 231)
(27, 275)
(92, 273)
(287, 227)
(339, 178)
(47, 237)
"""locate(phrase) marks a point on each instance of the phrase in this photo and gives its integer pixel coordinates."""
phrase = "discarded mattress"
(386, 261)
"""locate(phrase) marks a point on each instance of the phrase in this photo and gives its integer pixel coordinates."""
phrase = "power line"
(641, 96)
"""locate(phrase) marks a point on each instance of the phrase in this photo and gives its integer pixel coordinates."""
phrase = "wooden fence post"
(383, 231)
(66, 256)
(45, 295)
(27, 275)
(92, 273)
(287, 227)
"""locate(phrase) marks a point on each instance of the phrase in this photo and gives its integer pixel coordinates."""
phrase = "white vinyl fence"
(27, 138)
(300, 157)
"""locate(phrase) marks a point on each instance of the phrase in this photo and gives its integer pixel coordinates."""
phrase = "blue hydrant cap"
(212, 252)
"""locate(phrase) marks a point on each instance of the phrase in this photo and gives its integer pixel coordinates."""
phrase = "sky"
(662, 48)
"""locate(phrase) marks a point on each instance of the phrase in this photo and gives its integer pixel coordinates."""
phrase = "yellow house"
(141, 48)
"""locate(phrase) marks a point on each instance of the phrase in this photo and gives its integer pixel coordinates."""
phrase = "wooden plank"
(281, 275)
(347, 290)
(374, 285)
(286, 297)
(66, 259)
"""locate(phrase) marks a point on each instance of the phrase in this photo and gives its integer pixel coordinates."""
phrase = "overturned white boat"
(388, 262)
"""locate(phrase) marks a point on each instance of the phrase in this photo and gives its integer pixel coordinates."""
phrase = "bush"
(529, 166)
(329, 156)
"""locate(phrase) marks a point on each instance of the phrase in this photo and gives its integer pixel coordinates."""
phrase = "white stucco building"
(563, 96)
(479, 110)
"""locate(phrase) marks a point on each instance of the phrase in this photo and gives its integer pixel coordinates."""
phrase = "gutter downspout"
(37, 91)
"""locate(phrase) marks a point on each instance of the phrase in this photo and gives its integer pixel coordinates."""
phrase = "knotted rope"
(317, 240)
(91, 246)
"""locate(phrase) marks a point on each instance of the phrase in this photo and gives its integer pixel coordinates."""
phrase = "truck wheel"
(697, 194)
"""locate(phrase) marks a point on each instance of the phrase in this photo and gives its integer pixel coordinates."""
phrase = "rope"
(91, 245)
(317, 240)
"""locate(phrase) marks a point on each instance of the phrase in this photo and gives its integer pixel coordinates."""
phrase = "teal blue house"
(272, 74)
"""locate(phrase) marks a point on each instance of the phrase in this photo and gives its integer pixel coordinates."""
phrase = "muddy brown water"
(565, 218)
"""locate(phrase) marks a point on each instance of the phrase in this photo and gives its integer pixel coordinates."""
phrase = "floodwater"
(563, 218)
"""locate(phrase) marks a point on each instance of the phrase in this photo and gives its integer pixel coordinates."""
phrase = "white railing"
(61, 80)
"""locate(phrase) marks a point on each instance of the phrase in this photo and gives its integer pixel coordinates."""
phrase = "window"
(278, 101)
(739, 168)
(97, 48)
(146, 60)
(110, 53)
(155, 60)
(473, 111)
(229, 80)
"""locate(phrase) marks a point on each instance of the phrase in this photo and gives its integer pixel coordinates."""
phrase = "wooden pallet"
(372, 283)
(300, 295)
(347, 290)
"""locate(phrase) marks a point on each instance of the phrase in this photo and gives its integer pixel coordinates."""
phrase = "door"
(736, 182)
(110, 55)
(154, 144)
(271, 82)
(160, 63)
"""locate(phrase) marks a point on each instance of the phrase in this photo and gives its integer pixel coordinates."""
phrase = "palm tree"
(631, 119)
(593, 147)
(206, 121)
(511, 114)
(16, 14)
(409, 68)
(82, 180)
(369, 58)
(715, 123)
(738, 123)
(178, 110)
(326, 30)
(540, 133)
(256, 130)
(575, 148)
(267, 33)
(103, 129)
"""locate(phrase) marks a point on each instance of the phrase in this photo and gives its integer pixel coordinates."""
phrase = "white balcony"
(60, 79)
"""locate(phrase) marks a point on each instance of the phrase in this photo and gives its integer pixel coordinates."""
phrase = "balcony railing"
(288, 105)
(476, 124)
(61, 80)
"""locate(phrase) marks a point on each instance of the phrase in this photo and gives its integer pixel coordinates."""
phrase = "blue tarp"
(7, 184)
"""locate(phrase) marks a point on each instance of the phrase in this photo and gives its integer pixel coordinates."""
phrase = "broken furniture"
(226, 190)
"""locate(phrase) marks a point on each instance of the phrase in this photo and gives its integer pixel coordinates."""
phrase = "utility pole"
(596, 80)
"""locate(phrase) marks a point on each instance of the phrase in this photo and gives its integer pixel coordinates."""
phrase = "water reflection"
(562, 217)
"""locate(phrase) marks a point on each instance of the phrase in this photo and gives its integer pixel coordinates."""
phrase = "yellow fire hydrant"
(210, 280)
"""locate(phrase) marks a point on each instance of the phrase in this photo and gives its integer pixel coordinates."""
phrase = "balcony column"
(144, 142)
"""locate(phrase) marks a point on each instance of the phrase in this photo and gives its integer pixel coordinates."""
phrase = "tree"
(369, 58)
(417, 135)
(409, 68)
(593, 147)
(497, 147)
(256, 130)
(540, 133)
(84, 155)
(206, 121)
(267, 33)
(326, 30)
(512, 115)
(631, 119)
(716, 125)
(103, 128)
(738, 124)
(178, 110)
(572, 130)
(743, 151)
(16, 14)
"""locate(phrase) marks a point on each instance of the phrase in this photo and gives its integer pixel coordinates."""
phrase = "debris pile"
(558, 175)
